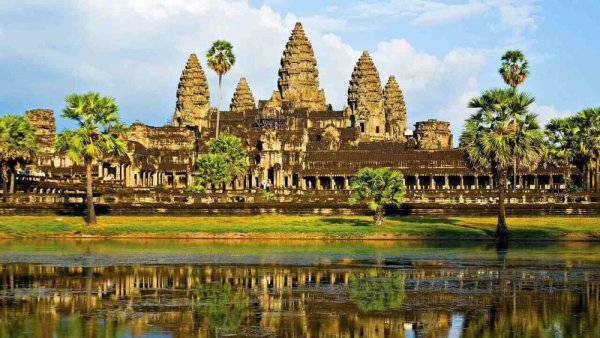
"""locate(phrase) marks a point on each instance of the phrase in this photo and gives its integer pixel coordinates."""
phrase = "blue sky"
(442, 52)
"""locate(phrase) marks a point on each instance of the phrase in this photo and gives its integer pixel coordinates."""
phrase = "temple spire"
(193, 97)
(365, 98)
(395, 109)
(298, 75)
(242, 99)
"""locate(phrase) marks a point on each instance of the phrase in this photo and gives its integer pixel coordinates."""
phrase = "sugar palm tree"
(234, 151)
(100, 135)
(378, 188)
(220, 58)
(562, 134)
(501, 130)
(514, 69)
(587, 145)
(18, 146)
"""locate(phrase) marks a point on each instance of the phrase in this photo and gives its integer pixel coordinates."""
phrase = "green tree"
(234, 152)
(18, 146)
(378, 188)
(100, 135)
(212, 170)
(501, 130)
(514, 69)
(220, 58)
(587, 146)
(562, 134)
(373, 293)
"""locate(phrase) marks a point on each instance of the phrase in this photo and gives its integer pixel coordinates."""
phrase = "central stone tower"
(298, 75)
(365, 98)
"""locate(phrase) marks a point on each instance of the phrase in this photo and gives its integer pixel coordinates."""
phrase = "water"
(146, 288)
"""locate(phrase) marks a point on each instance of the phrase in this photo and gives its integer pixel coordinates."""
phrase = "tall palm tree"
(587, 145)
(100, 135)
(18, 146)
(220, 58)
(501, 130)
(562, 134)
(378, 188)
(514, 69)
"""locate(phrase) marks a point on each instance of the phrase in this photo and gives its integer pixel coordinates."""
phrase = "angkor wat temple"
(294, 139)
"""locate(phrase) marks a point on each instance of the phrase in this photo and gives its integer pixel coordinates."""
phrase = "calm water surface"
(146, 288)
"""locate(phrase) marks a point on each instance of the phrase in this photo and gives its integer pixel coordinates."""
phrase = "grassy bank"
(300, 227)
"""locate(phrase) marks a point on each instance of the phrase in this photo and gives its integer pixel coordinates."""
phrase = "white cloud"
(547, 112)
(135, 50)
(512, 14)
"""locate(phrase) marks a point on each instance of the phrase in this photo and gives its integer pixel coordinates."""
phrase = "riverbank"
(552, 228)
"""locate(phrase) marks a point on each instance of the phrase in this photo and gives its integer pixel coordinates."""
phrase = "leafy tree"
(18, 146)
(224, 307)
(500, 131)
(100, 135)
(233, 150)
(220, 58)
(378, 188)
(587, 145)
(211, 170)
(562, 134)
(514, 69)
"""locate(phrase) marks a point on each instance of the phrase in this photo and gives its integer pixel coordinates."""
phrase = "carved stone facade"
(242, 97)
(395, 110)
(293, 141)
(298, 75)
(365, 98)
(193, 97)
(433, 134)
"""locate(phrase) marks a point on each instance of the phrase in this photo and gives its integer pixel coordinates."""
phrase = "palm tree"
(587, 145)
(562, 134)
(514, 69)
(18, 146)
(233, 150)
(220, 58)
(211, 170)
(100, 135)
(378, 188)
(501, 130)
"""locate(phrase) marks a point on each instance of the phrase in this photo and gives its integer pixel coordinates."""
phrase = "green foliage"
(377, 293)
(502, 132)
(234, 152)
(211, 169)
(220, 57)
(378, 188)
(18, 143)
(225, 160)
(224, 306)
(100, 133)
(514, 69)
(269, 196)
(562, 135)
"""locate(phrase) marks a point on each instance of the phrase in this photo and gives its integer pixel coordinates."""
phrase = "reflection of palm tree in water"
(377, 293)
(224, 306)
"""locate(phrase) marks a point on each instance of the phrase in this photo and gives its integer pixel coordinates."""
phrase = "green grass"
(287, 226)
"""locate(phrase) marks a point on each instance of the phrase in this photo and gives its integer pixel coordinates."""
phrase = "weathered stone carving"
(365, 97)
(433, 134)
(395, 110)
(45, 128)
(193, 97)
(242, 99)
(298, 75)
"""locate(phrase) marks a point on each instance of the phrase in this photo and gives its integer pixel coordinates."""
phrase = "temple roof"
(364, 92)
(193, 97)
(242, 97)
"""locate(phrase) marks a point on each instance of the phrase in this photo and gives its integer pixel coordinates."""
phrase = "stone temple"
(293, 139)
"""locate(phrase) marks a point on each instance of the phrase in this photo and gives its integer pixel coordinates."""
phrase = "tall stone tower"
(365, 98)
(394, 108)
(193, 97)
(298, 75)
(242, 99)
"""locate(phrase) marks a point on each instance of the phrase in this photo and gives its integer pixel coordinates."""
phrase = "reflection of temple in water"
(313, 301)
